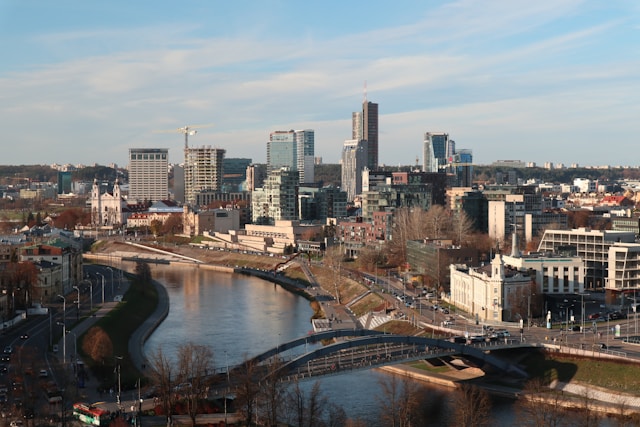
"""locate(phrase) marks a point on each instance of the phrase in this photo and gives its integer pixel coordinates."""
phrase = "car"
(601, 346)
(24, 336)
(16, 423)
(5, 358)
(8, 350)
(3, 369)
(55, 348)
(43, 373)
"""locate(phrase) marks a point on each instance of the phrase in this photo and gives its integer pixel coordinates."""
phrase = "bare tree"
(195, 362)
(273, 395)
(399, 401)
(247, 389)
(540, 406)
(471, 406)
(309, 410)
(462, 228)
(163, 376)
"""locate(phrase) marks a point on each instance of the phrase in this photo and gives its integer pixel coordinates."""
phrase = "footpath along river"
(240, 316)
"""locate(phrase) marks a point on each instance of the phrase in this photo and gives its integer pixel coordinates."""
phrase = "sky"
(556, 81)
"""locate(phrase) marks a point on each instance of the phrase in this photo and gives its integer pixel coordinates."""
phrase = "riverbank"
(572, 394)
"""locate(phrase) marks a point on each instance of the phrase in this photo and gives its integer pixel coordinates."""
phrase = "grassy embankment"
(119, 324)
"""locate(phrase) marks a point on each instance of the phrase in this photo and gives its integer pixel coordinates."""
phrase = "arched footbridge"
(365, 349)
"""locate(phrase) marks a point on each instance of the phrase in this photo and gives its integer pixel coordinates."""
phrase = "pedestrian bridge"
(365, 349)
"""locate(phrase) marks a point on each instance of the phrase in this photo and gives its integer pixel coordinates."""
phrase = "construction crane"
(187, 131)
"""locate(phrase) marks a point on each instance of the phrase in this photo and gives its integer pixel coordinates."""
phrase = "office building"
(148, 174)
(203, 171)
(292, 149)
(354, 162)
(64, 182)
(364, 126)
(438, 149)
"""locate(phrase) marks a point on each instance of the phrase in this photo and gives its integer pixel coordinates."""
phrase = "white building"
(109, 208)
(148, 174)
(624, 269)
(354, 161)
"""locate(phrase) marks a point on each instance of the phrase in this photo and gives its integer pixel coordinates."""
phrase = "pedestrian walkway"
(91, 392)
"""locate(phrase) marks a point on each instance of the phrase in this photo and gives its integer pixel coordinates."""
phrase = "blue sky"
(544, 81)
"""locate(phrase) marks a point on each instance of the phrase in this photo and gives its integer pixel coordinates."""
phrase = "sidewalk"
(90, 393)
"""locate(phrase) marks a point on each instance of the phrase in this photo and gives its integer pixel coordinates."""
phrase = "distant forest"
(330, 174)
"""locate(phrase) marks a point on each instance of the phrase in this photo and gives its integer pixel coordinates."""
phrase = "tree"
(195, 363)
(247, 389)
(462, 228)
(273, 393)
(399, 401)
(471, 406)
(163, 376)
(143, 271)
(97, 345)
(308, 410)
(540, 406)
(172, 225)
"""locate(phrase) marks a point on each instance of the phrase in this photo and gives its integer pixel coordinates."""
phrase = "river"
(240, 316)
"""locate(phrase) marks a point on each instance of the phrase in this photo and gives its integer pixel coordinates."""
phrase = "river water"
(240, 316)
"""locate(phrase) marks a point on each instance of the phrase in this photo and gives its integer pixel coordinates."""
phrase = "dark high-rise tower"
(365, 127)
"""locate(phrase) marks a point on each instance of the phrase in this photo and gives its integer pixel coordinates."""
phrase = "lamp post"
(75, 351)
(64, 343)
(111, 270)
(90, 295)
(118, 358)
(78, 301)
(64, 308)
(101, 275)
(582, 308)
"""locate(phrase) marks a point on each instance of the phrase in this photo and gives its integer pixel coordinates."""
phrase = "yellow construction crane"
(187, 131)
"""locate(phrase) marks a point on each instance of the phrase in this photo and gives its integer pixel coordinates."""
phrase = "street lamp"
(111, 270)
(101, 275)
(78, 301)
(64, 342)
(75, 351)
(90, 295)
(118, 358)
(64, 308)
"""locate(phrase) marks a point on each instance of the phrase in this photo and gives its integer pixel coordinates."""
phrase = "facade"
(437, 149)
(553, 274)
(364, 126)
(109, 208)
(462, 167)
(624, 269)
(56, 252)
(293, 149)
(277, 199)
(203, 171)
(64, 182)
(592, 246)
(354, 162)
(318, 204)
(235, 173)
(256, 174)
(148, 174)
(212, 221)
(431, 259)
(491, 293)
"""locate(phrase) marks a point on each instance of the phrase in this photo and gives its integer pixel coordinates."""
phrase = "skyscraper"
(354, 161)
(293, 149)
(437, 151)
(203, 170)
(148, 174)
(365, 127)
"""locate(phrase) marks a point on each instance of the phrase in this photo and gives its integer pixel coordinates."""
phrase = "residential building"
(209, 220)
(623, 278)
(354, 162)
(203, 171)
(277, 199)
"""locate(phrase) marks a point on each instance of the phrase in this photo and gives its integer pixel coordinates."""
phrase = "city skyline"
(548, 81)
